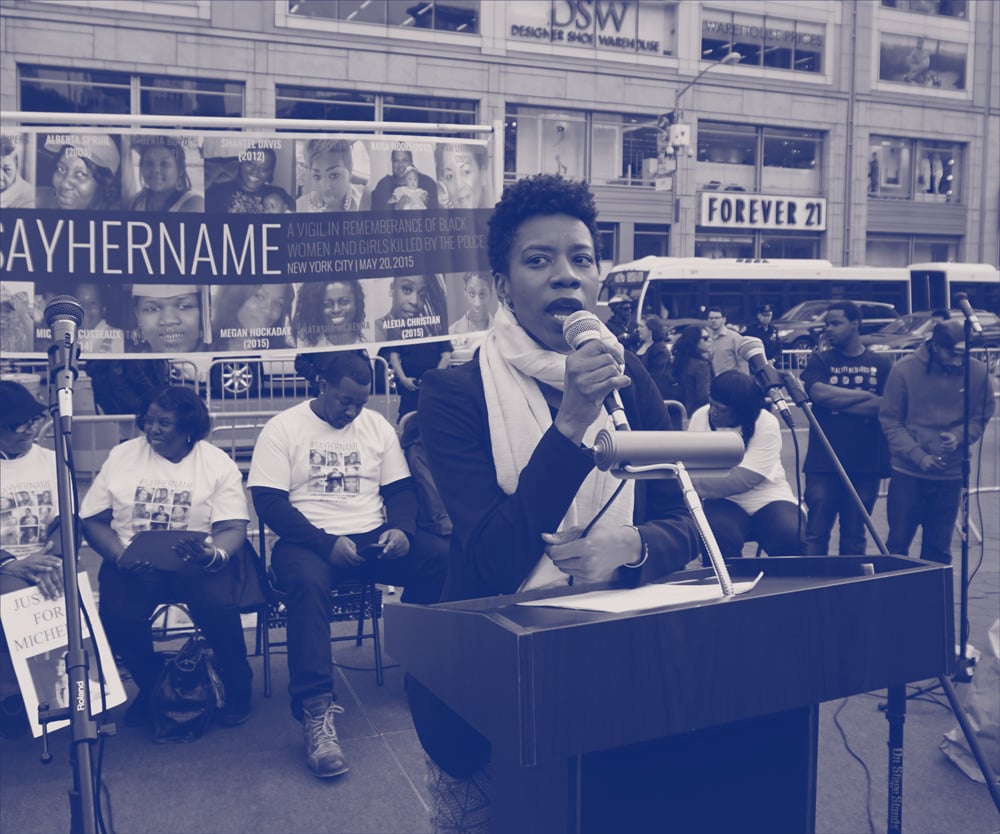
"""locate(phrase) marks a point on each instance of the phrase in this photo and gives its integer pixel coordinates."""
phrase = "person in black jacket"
(507, 437)
(765, 330)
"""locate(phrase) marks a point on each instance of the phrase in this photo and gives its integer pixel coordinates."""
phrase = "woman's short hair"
(542, 194)
(191, 412)
(315, 147)
(657, 328)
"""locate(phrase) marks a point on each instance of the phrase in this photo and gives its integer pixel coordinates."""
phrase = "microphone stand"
(963, 672)
(895, 708)
(63, 359)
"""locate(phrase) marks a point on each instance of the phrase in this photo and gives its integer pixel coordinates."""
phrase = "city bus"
(679, 288)
(934, 285)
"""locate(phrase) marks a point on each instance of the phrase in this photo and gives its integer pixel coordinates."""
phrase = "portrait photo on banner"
(249, 175)
(78, 171)
(17, 171)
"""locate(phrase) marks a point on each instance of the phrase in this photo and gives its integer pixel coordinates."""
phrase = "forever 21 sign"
(762, 211)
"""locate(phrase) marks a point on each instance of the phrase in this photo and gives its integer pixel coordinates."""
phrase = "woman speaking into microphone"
(507, 437)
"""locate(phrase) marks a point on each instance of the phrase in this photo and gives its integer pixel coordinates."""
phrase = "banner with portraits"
(181, 241)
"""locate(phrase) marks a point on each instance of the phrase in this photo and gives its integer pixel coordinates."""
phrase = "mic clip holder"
(693, 502)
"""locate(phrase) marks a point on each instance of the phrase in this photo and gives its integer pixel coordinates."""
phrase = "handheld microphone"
(63, 315)
(962, 300)
(578, 329)
(706, 450)
(751, 351)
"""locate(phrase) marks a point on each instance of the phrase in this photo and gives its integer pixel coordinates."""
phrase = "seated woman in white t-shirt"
(754, 501)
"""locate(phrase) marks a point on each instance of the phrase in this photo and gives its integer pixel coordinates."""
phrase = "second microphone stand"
(896, 695)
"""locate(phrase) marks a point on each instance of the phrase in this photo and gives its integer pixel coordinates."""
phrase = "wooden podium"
(688, 718)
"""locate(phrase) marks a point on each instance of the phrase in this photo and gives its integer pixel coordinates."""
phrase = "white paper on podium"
(646, 596)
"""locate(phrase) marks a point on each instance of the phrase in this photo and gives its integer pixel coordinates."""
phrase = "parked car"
(801, 327)
(909, 331)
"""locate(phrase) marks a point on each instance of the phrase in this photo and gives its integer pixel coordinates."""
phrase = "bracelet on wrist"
(220, 558)
(643, 555)
(6, 560)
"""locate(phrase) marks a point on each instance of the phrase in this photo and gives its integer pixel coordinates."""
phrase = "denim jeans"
(933, 504)
(307, 578)
(777, 527)
(827, 497)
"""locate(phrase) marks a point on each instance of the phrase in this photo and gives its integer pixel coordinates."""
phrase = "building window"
(734, 157)
(603, 148)
(347, 105)
(162, 95)
(55, 90)
(914, 169)
(650, 239)
(763, 40)
(945, 8)
(443, 15)
(919, 61)
(903, 250)
(609, 243)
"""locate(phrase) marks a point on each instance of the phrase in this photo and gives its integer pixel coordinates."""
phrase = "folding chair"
(358, 601)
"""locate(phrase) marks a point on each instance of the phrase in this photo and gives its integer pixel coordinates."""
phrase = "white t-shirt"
(145, 491)
(29, 500)
(763, 456)
(332, 476)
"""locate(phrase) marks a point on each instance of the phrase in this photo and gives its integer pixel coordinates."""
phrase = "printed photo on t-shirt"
(25, 512)
(161, 506)
(334, 471)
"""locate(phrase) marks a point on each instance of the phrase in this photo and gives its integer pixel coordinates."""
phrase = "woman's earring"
(190, 441)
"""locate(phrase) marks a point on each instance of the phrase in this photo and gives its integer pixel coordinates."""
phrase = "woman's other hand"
(595, 557)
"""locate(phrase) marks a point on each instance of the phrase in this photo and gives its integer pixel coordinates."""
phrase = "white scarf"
(512, 365)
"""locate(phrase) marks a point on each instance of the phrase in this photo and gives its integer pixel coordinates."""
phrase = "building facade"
(862, 131)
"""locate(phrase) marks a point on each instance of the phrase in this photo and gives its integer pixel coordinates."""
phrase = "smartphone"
(373, 550)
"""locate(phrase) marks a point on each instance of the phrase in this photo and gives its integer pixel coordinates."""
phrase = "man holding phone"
(330, 478)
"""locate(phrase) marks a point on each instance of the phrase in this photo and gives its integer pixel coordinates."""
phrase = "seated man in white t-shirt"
(330, 478)
(753, 502)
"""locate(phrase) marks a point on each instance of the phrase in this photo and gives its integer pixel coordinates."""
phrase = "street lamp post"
(677, 136)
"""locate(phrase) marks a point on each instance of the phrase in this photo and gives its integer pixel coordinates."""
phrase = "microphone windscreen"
(580, 327)
(63, 307)
(696, 450)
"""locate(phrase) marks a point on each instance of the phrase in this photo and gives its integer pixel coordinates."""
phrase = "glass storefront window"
(919, 61)
(54, 90)
(775, 247)
(945, 8)
(163, 95)
(763, 40)
(723, 246)
(442, 15)
(907, 169)
(428, 110)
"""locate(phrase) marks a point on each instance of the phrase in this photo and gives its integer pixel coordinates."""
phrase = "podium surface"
(734, 683)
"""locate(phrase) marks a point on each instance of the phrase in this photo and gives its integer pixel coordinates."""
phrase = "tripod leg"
(973, 742)
(895, 714)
